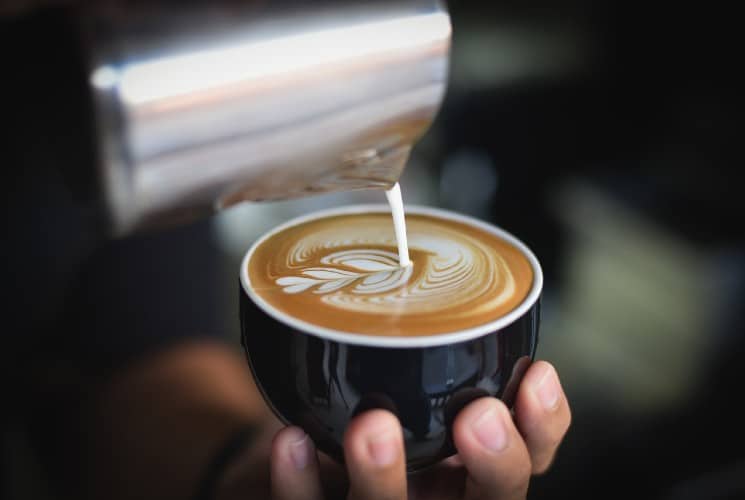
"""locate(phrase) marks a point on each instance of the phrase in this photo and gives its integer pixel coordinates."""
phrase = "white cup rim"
(462, 335)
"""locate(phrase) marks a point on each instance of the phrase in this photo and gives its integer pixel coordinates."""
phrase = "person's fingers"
(294, 467)
(374, 454)
(542, 414)
(492, 450)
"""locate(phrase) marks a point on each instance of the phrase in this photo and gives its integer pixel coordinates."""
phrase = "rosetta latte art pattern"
(342, 272)
(372, 272)
(453, 269)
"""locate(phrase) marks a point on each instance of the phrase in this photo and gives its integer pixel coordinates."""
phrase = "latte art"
(343, 272)
(370, 271)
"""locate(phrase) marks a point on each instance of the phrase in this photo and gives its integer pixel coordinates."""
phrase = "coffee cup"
(319, 377)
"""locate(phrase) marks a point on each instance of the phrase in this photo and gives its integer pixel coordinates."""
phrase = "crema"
(342, 272)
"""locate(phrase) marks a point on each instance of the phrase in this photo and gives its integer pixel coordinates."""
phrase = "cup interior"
(350, 337)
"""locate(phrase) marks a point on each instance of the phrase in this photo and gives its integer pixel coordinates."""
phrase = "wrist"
(220, 471)
(247, 472)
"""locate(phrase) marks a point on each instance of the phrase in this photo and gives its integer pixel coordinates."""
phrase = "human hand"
(496, 453)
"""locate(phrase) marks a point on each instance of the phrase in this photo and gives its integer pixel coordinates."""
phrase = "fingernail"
(300, 452)
(490, 430)
(547, 389)
(383, 448)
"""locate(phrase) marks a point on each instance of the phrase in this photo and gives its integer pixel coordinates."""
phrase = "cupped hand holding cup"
(390, 369)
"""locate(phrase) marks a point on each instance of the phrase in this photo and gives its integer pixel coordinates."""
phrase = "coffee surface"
(341, 272)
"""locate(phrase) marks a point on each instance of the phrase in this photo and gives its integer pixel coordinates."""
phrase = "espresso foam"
(342, 272)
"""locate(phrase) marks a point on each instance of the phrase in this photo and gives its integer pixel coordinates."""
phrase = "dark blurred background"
(602, 133)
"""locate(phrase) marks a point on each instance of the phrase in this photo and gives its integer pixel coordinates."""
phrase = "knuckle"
(558, 426)
(559, 431)
(522, 469)
(543, 464)
(567, 419)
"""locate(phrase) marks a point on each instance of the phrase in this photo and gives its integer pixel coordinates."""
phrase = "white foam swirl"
(373, 272)
(452, 269)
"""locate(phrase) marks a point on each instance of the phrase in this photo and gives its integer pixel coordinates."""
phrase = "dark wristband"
(225, 455)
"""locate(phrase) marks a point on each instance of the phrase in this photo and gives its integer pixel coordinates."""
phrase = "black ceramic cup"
(319, 379)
